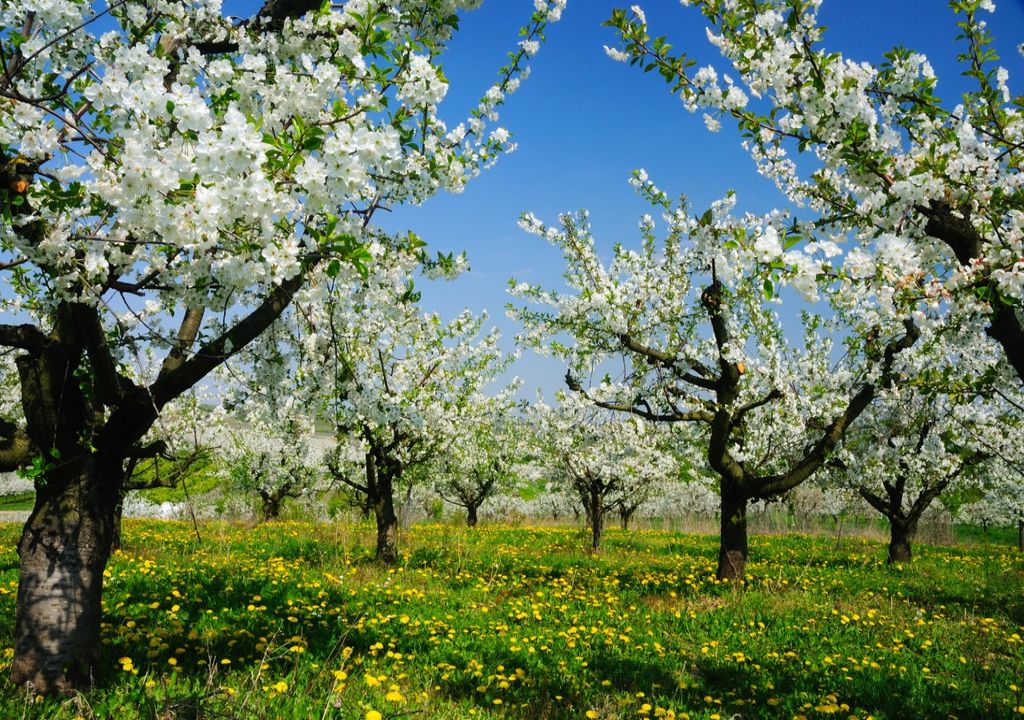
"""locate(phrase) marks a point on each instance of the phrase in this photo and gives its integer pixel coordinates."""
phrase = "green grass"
(522, 623)
(992, 536)
(21, 501)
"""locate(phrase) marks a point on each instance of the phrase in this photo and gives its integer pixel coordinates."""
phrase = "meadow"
(294, 620)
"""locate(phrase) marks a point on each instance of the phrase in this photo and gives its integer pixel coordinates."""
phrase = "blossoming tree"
(906, 452)
(482, 459)
(273, 457)
(171, 177)
(603, 458)
(1000, 434)
(398, 386)
(690, 323)
(888, 158)
(1002, 504)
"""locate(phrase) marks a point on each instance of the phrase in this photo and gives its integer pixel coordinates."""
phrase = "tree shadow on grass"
(880, 694)
(554, 693)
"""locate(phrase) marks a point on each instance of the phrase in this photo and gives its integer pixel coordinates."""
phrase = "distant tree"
(602, 457)
(908, 450)
(397, 386)
(482, 459)
(272, 458)
(1000, 434)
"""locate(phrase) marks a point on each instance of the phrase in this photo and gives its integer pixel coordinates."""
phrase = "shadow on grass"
(881, 694)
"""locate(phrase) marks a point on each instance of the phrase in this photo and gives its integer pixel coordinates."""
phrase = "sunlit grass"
(293, 620)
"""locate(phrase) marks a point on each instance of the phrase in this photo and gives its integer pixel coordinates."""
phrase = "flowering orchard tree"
(1000, 434)
(642, 481)
(483, 458)
(265, 432)
(171, 177)
(908, 449)
(397, 386)
(893, 167)
(269, 453)
(1002, 504)
(603, 457)
(690, 321)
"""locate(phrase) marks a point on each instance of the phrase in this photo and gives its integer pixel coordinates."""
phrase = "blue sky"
(583, 122)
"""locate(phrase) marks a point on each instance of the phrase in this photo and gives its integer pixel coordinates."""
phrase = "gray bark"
(64, 549)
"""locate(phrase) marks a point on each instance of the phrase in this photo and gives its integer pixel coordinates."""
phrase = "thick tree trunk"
(900, 535)
(64, 550)
(270, 506)
(732, 548)
(271, 511)
(471, 518)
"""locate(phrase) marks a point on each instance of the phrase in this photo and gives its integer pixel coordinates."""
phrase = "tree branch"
(926, 497)
(24, 336)
(654, 357)
(774, 484)
(875, 501)
(170, 479)
(16, 448)
(187, 333)
(111, 386)
(775, 394)
(173, 382)
(635, 409)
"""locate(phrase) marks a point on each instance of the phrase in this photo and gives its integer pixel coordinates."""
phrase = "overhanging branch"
(25, 337)
(171, 383)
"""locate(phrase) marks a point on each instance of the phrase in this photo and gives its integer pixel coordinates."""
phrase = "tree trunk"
(64, 550)
(387, 530)
(900, 535)
(115, 538)
(471, 518)
(1020, 535)
(595, 514)
(270, 506)
(382, 486)
(625, 516)
(732, 548)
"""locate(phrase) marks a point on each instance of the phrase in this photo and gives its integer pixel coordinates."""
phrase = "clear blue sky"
(583, 122)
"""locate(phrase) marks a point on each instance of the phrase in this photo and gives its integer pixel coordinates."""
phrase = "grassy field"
(294, 621)
(21, 501)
